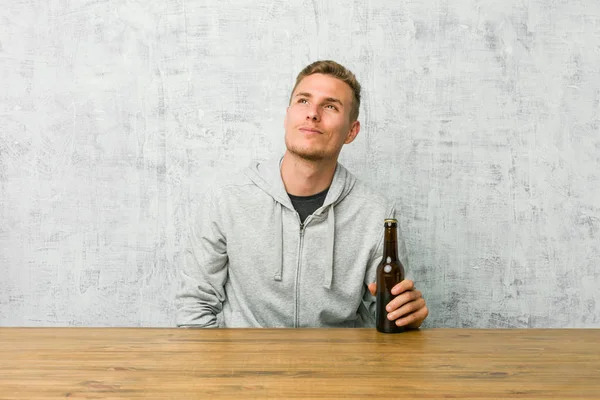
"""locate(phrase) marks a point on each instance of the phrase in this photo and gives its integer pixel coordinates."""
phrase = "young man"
(295, 241)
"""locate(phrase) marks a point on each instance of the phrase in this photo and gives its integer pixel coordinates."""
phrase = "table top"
(118, 363)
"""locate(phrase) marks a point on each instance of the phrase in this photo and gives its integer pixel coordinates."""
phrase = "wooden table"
(115, 363)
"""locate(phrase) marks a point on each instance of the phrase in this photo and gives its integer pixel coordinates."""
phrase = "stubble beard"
(306, 153)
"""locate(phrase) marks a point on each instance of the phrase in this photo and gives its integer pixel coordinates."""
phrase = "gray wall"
(482, 117)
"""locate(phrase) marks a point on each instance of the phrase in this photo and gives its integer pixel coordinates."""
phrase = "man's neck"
(303, 177)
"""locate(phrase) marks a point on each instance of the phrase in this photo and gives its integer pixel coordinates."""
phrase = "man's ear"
(354, 129)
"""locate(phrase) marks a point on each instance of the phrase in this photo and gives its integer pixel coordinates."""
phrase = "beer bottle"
(389, 272)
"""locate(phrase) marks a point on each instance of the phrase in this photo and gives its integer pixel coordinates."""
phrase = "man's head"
(335, 70)
(323, 111)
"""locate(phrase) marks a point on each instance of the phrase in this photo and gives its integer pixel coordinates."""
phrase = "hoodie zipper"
(300, 246)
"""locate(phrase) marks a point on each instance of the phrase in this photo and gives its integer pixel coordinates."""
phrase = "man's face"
(317, 122)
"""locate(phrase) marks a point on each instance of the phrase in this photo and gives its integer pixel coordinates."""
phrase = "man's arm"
(204, 271)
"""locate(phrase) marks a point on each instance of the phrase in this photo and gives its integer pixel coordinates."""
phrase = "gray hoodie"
(251, 263)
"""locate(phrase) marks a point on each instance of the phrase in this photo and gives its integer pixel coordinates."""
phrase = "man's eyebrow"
(334, 100)
(328, 99)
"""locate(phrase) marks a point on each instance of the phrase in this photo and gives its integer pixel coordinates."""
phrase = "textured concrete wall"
(482, 116)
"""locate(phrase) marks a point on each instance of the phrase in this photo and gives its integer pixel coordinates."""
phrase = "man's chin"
(307, 155)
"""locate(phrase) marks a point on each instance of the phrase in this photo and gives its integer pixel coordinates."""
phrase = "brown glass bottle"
(389, 272)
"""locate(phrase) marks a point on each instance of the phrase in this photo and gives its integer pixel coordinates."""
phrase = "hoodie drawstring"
(330, 236)
(278, 241)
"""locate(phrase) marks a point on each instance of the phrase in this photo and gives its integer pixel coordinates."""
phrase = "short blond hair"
(332, 68)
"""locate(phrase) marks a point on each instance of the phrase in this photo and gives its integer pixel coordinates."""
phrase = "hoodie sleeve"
(204, 271)
(369, 301)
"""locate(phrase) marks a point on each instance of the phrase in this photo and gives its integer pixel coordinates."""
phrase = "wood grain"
(117, 363)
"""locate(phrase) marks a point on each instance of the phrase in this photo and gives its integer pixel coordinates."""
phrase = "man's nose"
(313, 114)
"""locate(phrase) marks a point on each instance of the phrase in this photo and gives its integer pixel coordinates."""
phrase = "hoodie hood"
(267, 176)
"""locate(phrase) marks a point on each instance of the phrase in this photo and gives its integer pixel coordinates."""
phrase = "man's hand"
(408, 308)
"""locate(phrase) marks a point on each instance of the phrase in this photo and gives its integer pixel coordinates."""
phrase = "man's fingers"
(403, 287)
(373, 288)
(407, 309)
(403, 299)
(415, 318)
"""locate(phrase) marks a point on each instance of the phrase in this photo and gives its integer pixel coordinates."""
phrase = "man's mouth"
(310, 130)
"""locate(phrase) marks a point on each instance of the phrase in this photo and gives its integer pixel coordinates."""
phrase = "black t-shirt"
(306, 205)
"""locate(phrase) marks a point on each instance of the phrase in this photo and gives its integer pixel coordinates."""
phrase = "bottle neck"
(390, 244)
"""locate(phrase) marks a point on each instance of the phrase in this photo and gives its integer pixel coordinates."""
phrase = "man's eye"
(331, 106)
(302, 101)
